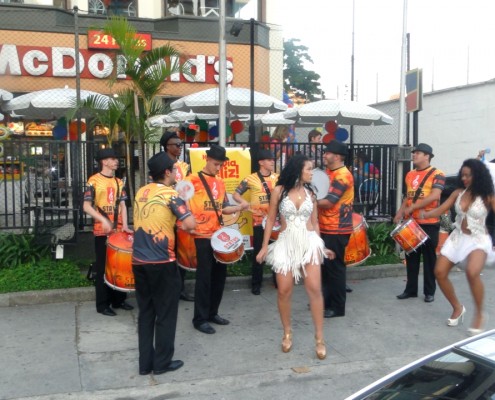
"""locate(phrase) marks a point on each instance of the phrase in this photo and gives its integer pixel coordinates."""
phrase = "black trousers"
(210, 282)
(427, 249)
(257, 268)
(105, 295)
(333, 273)
(157, 296)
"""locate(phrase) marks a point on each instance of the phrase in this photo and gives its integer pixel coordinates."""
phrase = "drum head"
(321, 182)
(121, 240)
(185, 190)
(226, 240)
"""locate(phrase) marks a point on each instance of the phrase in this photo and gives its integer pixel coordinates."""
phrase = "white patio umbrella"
(279, 119)
(238, 101)
(175, 118)
(4, 96)
(47, 104)
(342, 111)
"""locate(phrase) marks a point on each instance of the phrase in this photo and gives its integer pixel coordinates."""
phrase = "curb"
(233, 283)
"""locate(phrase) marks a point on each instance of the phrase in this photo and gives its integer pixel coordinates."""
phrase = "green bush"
(381, 243)
(43, 274)
(18, 249)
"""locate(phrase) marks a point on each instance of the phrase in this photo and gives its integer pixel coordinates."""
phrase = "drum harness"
(208, 191)
(265, 185)
(420, 187)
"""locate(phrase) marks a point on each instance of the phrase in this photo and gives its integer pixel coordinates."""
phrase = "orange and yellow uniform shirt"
(156, 209)
(200, 204)
(182, 170)
(102, 192)
(435, 181)
(259, 201)
(337, 220)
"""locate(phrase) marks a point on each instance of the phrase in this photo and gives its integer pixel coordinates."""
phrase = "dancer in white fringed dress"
(299, 251)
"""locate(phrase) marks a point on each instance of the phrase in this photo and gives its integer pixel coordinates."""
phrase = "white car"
(464, 370)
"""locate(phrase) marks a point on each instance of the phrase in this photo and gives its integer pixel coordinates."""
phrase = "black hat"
(264, 154)
(336, 147)
(217, 153)
(159, 163)
(166, 137)
(425, 148)
(105, 153)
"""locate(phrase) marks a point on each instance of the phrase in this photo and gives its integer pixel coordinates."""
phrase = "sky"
(452, 41)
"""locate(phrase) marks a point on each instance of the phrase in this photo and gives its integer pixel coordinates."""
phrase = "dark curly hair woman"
(299, 250)
(469, 241)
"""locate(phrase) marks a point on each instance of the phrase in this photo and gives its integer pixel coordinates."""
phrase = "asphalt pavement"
(55, 346)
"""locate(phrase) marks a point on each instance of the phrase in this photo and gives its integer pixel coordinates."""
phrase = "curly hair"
(482, 184)
(291, 174)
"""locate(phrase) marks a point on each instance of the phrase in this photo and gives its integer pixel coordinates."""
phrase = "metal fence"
(46, 180)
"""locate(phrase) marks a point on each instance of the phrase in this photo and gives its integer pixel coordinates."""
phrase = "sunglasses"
(175, 144)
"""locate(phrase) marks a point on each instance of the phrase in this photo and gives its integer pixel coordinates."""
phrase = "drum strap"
(208, 191)
(117, 204)
(265, 185)
(420, 188)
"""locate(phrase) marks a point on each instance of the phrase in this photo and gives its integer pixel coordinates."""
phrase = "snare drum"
(409, 235)
(118, 267)
(228, 246)
(321, 182)
(275, 229)
(186, 251)
(358, 248)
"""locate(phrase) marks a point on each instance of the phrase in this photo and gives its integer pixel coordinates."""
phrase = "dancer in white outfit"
(469, 241)
(299, 250)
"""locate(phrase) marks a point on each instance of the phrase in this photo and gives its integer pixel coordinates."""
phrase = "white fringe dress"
(296, 246)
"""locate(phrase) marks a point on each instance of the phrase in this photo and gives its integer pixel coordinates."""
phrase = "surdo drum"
(118, 267)
(321, 182)
(186, 251)
(228, 246)
(358, 248)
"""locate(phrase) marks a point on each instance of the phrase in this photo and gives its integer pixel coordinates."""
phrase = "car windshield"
(456, 375)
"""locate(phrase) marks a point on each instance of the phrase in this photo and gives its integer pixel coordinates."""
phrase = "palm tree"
(147, 72)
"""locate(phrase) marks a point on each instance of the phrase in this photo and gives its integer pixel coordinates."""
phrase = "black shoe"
(217, 319)
(429, 298)
(348, 289)
(172, 366)
(256, 290)
(205, 327)
(108, 312)
(125, 306)
(332, 314)
(186, 297)
(144, 371)
(406, 295)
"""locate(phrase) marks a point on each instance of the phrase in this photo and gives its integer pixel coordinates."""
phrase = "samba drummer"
(424, 185)
(208, 204)
(104, 201)
(260, 184)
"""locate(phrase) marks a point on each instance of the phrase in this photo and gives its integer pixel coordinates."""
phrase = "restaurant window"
(52, 3)
(127, 8)
(209, 8)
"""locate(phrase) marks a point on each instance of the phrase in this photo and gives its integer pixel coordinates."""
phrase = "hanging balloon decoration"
(194, 145)
(341, 135)
(237, 126)
(190, 133)
(331, 127)
(73, 128)
(60, 132)
(328, 137)
(213, 132)
(182, 133)
(203, 124)
(203, 136)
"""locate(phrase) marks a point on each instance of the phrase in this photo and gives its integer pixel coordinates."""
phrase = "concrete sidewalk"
(61, 348)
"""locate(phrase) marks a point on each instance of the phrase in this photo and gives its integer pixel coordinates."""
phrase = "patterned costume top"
(156, 208)
(296, 246)
(435, 181)
(260, 200)
(475, 216)
(200, 204)
(337, 220)
(102, 192)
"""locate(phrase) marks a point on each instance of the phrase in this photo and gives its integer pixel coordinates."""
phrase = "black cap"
(425, 148)
(336, 147)
(105, 153)
(265, 154)
(166, 137)
(159, 163)
(217, 153)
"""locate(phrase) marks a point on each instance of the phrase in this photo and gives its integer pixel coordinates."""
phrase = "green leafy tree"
(297, 77)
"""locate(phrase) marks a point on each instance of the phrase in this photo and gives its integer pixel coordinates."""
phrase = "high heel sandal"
(287, 342)
(477, 331)
(455, 321)
(321, 349)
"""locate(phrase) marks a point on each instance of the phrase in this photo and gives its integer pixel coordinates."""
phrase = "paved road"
(66, 350)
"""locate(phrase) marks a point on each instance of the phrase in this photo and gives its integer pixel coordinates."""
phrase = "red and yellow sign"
(101, 40)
